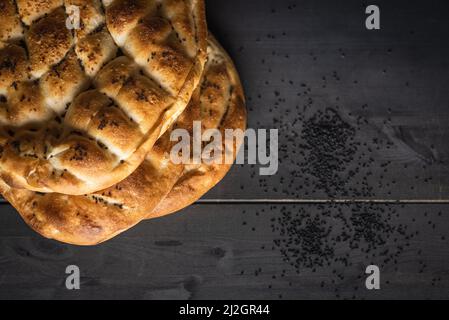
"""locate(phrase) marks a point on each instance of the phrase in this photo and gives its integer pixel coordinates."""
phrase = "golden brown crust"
(14, 66)
(48, 42)
(94, 50)
(32, 10)
(151, 89)
(88, 220)
(10, 26)
(223, 101)
(91, 16)
(93, 218)
(63, 82)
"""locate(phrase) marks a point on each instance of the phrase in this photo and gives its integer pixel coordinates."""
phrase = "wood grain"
(390, 85)
(296, 58)
(221, 252)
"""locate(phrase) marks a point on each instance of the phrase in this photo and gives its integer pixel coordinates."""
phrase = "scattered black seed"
(328, 147)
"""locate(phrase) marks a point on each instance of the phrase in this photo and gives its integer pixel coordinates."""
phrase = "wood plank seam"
(307, 201)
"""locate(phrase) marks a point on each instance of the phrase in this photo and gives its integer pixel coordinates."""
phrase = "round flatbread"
(90, 219)
(87, 87)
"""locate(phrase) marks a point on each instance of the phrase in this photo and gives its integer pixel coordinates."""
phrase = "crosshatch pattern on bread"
(158, 187)
(80, 108)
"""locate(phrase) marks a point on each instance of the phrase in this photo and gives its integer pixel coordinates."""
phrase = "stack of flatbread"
(91, 93)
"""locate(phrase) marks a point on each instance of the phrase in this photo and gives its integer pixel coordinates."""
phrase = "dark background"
(363, 176)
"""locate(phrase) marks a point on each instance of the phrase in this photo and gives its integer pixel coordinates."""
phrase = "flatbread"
(90, 219)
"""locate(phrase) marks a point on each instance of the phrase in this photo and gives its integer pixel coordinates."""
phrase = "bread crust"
(123, 53)
(197, 181)
(90, 219)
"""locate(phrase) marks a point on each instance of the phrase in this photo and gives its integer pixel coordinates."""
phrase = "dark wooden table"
(363, 175)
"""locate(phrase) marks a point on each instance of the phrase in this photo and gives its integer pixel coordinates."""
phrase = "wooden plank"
(389, 85)
(229, 252)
